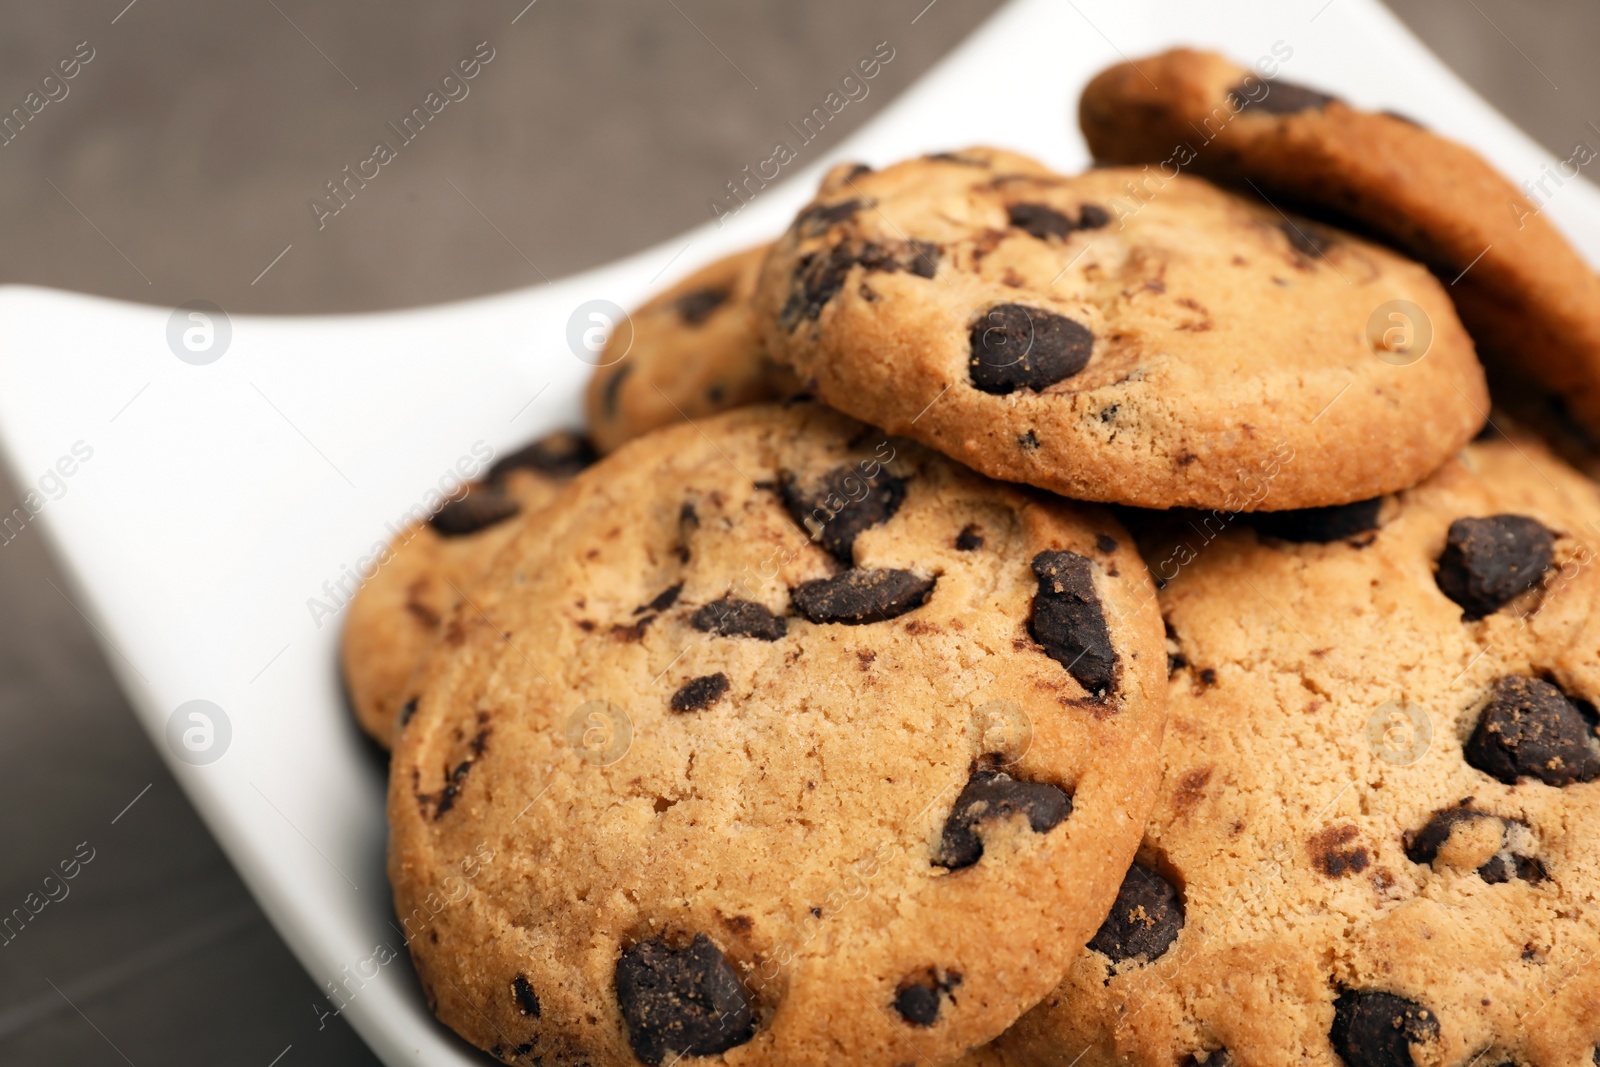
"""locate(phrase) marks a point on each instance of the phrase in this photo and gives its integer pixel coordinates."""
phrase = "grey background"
(180, 164)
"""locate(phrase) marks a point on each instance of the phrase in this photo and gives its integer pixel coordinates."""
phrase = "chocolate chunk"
(1144, 921)
(408, 709)
(862, 596)
(1505, 866)
(819, 276)
(1531, 729)
(970, 539)
(1040, 220)
(1016, 347)
(1044, 222)
(990, 795)
(686, 1001)
(732, 617)
(482, 507)
(698, 693)
(1319, 526)
(917, 998)
(1068, 623)
(1423, 846)
(1092, 217)
(1306, 238)
(1486, 563)
(1105, 543)
(923, 259)
(1176, 660)
(1372, 1029)
(613, 388)
(1281, 98)
(455, 782)
(1332, 855)
(917, 1004)
(560, 455)
(663, 600)
(818, 217)
(836, 510)
(631, 632)
(696, 307)
(1497, 871)
(527, 1001)
(688, 523)
(1530, 869)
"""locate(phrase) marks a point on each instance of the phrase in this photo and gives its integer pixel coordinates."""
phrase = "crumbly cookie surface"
(1531, 302)
(395, 616)
(689, 352)
(1179, 349)
(782, 741)
(1376, 839)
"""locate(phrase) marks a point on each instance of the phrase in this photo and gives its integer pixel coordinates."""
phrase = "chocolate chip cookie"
(395, 616)
(1376, 840)
(692, 351)
(1531, 302)
(785, 740)
(1189, 347)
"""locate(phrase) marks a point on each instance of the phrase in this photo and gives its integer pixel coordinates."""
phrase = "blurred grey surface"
(181, 163)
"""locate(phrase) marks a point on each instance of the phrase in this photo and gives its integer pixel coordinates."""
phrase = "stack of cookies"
(1021, 618)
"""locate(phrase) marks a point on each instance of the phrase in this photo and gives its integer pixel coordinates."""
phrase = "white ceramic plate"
(217, 500)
